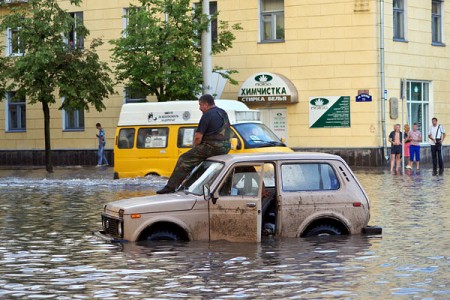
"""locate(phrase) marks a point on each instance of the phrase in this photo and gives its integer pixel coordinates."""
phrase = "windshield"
(201, 175)
(257, 135)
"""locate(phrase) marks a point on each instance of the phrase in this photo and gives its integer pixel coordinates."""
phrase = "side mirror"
(234, 143)
(207, 194)
(283, 140)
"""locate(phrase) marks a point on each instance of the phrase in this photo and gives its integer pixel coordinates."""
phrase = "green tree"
(160, 49)
(54, 62)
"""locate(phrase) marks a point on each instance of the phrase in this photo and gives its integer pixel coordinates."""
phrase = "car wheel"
(323, 229)
(163, 235)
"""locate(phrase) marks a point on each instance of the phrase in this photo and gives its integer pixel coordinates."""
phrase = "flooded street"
(48, 251)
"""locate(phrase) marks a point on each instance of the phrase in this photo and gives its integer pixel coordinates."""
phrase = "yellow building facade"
(354, 68)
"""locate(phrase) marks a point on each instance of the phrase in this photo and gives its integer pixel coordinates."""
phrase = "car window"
(186, 137)
(242, 181)
(308, 177)
(126, 138)
(152, 137)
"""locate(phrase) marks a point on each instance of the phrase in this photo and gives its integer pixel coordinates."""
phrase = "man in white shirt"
(437, 135)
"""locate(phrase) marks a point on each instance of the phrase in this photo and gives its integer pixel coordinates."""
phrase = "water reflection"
(47, 249)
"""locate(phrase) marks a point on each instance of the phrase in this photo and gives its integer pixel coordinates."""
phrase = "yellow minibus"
(151, 136)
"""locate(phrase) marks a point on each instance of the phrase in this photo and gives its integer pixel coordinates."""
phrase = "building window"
(272, 20)
(126, 18)
(436, 21)
(16, 112)
(214, 23)
(74, 39)
(399, 20)
(73, 119)
(14, 46)
(135, 95)
(417, 93)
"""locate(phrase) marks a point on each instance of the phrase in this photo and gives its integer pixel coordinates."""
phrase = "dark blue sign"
(364, 98)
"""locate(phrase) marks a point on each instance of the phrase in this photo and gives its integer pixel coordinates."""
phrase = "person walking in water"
(395, 138)
(416, 138)
(211, 138)
(437, 135)
(101, 146)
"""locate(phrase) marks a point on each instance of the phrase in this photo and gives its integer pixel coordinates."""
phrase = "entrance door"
(236, 215)
(276, 120)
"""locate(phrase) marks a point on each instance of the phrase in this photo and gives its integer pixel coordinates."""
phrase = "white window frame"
(77, 118)
(440, 19)
(404, 22)
(21, 127)
(412, 86)
(75, 45)
(273, 21)
(9, 42)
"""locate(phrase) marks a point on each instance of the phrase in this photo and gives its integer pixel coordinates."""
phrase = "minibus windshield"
(257, 135)
(201, 175)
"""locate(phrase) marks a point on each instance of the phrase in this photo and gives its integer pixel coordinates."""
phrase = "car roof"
(248, 157)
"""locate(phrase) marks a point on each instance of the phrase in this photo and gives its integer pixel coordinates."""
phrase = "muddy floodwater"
(47, 250)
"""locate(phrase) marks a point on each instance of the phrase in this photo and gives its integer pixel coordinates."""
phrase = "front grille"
(111, 226)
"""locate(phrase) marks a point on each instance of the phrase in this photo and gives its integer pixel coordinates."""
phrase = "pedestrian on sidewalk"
(101, 146)
(437, 135)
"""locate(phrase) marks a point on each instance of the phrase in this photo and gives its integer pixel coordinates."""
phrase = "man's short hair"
(415, 123)
(207, 98)
(434, 119)
(98, 125)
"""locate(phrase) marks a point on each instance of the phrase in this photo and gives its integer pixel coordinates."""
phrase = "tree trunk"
(48, 148)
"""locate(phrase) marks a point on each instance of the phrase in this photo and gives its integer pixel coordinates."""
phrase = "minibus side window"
(152, 138)
(186, 137)
(126, 138)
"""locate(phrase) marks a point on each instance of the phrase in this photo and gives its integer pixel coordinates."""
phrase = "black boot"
(166, 190)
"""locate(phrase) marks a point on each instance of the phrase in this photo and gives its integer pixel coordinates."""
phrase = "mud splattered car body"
(243, 197)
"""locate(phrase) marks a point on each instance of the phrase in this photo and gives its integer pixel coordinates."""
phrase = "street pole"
(206, 52)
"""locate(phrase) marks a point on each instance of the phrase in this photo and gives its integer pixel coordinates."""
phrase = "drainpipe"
(382, 82)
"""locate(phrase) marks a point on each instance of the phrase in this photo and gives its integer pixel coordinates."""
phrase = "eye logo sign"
(319, 102)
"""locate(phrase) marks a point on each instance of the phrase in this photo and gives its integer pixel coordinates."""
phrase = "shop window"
(308, 177)
(74, 39)
(16, 112)
(126, 138)
(436, 22)
(399, 20)
(272, 20)
(15, 46)
(417, 93)
(152, 138)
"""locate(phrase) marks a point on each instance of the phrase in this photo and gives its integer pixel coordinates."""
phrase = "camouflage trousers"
(190, 159)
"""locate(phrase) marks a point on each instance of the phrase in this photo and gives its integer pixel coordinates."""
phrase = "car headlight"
(120, 229)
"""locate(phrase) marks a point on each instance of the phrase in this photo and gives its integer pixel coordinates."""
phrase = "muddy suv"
(244, 197)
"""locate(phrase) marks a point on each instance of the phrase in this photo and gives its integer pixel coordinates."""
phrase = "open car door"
(235, 210)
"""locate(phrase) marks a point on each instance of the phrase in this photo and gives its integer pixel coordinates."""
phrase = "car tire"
(323, 229)
(163, 235)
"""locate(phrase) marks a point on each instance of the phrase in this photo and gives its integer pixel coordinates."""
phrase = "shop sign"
(329, 111)
(268, 88)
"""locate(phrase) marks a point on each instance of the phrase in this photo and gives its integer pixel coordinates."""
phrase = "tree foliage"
(51, 67)
(160, 50)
